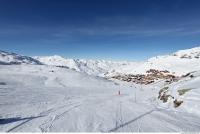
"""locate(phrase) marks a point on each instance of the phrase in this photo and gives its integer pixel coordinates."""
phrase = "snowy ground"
(39, 98)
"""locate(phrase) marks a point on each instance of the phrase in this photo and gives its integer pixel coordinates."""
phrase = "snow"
(193, 52)
(52, 99)
(91, 67)
(7, 58)
(73, 95)
(57, 60)
(173, 63)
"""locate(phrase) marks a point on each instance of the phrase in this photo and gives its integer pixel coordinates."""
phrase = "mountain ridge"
(8, 58)
(180, 62)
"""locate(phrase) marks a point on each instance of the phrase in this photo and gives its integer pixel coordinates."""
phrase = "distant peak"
(57, 56)
(191, 50)
(188, 53)
(7, 58)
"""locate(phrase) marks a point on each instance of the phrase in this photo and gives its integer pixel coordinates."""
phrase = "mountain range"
(56, 94)
(179, 63)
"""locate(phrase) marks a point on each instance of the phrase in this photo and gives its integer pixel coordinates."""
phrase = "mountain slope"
(51, 99)
(7, 58)
(180, 62)
(57, 60)
(91, 67)
(189, 53)
(46, 98)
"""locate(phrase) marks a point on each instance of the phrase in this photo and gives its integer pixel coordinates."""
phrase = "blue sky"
(99, 29)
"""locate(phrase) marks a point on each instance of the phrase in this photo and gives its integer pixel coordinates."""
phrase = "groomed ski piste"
(48, 98)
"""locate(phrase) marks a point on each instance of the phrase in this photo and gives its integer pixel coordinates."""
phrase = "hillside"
(179, 63)
(52, 99)
(91, 67)
(7, 58)
(67, 95)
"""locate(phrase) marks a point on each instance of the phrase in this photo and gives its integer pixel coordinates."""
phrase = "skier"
(119, 92)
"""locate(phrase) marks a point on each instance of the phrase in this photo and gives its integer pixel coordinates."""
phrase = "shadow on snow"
(16, 119)
(131, 121)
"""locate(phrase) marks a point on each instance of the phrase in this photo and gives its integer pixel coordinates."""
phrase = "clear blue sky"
(99, 29)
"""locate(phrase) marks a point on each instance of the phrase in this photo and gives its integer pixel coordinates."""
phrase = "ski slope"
(42, 98)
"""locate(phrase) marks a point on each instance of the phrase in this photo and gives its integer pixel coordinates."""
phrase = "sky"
(99, 29)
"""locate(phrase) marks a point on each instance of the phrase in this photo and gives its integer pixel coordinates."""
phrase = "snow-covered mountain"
(193, 53)
(180, 62)
(46, 98)
(51, 99)
(7, 58)
(91, 67)
(57, 60)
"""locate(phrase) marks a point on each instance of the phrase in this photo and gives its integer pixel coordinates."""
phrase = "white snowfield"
(40, 98)
(46, 98)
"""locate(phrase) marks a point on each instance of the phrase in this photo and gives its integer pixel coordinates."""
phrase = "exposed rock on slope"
(7, 58)
(193, 53)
